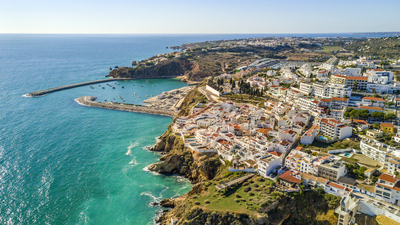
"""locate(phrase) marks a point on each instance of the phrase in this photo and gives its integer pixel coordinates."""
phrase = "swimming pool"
(323, 138)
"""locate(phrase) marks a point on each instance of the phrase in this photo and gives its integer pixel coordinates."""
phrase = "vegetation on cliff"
(254, 202)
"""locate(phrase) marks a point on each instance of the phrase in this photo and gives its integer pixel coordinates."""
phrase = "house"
(337, 189)
(313, 181)
(387, 188)
(393, 162)
(309, 136)
(361, 124)
(387, 127)
(268, 163)
(371, 109)
(290, 180)
(374, 134)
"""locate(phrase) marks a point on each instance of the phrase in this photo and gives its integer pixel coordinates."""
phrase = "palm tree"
(355, 85)
(372, 102)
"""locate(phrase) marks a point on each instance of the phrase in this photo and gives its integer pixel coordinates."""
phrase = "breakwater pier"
(90, 101)
(51, 90)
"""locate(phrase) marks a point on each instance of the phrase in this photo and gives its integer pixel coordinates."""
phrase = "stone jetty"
(90, 101)
(51, 90)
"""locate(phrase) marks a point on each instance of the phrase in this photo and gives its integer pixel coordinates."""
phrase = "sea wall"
(51, 90)
(89, 101)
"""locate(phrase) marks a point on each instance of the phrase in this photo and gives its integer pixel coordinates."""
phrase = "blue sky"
(206, 16)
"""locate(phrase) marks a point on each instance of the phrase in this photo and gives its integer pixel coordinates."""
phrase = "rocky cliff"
(165, 69)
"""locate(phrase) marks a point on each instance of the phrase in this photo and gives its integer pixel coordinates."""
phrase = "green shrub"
(197, 203)
(246, 189)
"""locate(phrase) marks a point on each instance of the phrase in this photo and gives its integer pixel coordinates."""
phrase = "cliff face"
(170, 68)
(195, 166)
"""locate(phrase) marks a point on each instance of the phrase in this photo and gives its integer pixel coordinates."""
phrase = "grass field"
(331, 48)
(243, 198)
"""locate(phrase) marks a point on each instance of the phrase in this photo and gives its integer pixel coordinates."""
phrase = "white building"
(387, 188)
(309, 136)
(393, 162)
(268, 163)
(335, 129)
(375, 149)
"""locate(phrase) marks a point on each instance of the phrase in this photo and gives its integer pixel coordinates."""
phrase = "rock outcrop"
(166, 69)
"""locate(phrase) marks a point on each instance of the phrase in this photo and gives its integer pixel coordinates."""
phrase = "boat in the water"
(122, 87)
(141, 85)
(113, 87)
(103, 87)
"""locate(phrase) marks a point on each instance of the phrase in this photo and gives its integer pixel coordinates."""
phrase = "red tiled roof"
(360, 121)
(375, 99)
(352, 78)
(371, 108)
(389, 125)
(335, 185)
(287, 176)
(388, 178)
(276, 153)
(340, 99)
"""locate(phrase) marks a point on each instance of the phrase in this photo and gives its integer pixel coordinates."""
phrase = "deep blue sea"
(62, 163)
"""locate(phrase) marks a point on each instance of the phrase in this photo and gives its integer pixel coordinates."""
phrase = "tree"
(390, 104)
(390, 116)
(233, 84)
(328, 111)
(375, 126)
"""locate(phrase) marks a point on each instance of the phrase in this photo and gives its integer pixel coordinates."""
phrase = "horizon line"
(212, 33)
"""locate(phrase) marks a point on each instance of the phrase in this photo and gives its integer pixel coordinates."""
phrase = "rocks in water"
(134, 63)
(167, 203)
(155, 203)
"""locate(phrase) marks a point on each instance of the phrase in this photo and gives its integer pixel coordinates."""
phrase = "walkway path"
(234, 181)
(51, 90)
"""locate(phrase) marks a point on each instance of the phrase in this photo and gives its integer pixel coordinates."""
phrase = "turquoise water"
(62, 163)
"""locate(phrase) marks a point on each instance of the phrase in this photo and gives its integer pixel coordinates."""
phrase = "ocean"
(63, 163)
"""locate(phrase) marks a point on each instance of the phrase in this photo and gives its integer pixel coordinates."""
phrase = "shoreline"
(89, 101)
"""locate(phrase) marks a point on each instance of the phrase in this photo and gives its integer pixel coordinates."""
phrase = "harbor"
(90, 101)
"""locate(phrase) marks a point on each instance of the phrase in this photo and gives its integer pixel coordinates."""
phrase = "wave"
(154, 198)
(132, 145)
(133, 161)
(153, 172)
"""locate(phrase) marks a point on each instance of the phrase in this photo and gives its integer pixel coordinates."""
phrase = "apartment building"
(335, 129)
(380, 73)
(387, 188)
(375, 149)
(373, 101)
(308, 103)
(360, 81)
(332, 170)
